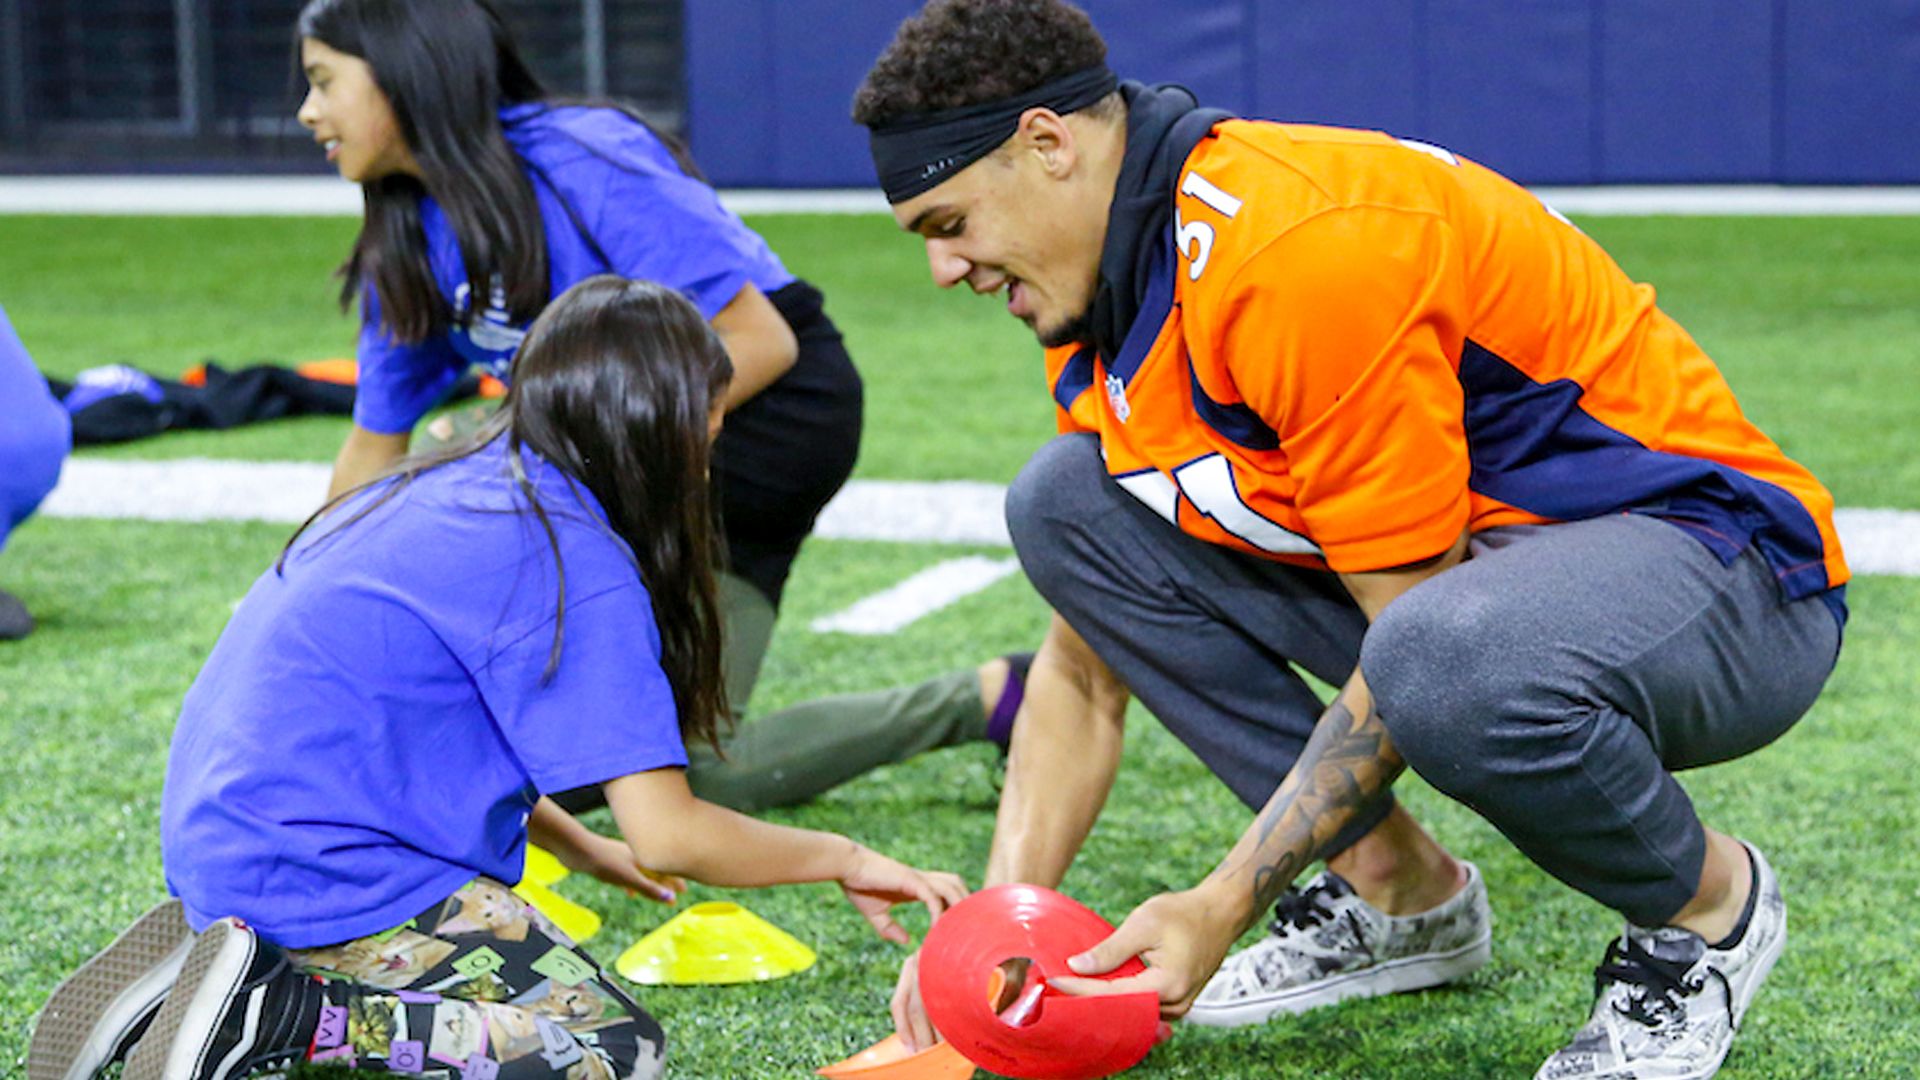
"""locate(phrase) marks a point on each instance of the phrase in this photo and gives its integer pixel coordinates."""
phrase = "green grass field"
(1814, 321)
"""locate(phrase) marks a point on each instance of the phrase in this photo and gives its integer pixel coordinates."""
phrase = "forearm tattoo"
(1347, 761)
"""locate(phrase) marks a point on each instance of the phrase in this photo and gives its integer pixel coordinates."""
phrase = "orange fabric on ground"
(344, 372)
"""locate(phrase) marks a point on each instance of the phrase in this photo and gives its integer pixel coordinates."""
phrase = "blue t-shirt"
(607, 186)
(371, 731)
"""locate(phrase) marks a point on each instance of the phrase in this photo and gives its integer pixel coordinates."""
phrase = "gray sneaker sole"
(95, 1011)
(175, 1046)
(1392, 977)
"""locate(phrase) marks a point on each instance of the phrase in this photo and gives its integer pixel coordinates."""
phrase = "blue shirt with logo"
(373, 727)
(612, 200)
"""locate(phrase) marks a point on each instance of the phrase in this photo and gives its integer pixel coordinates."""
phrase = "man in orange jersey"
(1344, 403)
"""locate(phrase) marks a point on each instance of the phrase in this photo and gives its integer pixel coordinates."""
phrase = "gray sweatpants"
(1553, 682)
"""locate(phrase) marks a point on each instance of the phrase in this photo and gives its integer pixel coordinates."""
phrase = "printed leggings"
(480, 986)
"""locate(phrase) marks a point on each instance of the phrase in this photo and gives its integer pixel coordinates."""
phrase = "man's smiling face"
(1023, 221)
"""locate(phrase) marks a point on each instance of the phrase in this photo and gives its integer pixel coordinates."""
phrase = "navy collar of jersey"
(1151, 315)
(1156, 303)
(1164, 124)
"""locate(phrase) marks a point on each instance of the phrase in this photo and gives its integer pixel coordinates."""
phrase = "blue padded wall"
(1203, 46)
(1849, 78)
(770, 88)
(1548, 91)
(1511, 85)
(1337, 62)
(1686, 91)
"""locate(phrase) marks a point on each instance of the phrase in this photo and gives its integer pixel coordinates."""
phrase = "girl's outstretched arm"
(672, 831)
(581, 849)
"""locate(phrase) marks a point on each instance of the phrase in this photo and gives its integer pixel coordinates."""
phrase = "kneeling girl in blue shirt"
(485, 196)
(359, 766)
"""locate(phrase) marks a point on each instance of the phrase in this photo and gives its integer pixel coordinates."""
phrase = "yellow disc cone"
(714, 942)
(542, 868)
(574, 920)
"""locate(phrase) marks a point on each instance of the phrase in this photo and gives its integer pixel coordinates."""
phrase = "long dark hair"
(614, 385)
(446, 68)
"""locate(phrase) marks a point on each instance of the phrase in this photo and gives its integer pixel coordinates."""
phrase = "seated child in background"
(360, 764)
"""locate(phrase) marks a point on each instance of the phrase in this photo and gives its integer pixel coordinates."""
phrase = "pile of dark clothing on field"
(117, 403)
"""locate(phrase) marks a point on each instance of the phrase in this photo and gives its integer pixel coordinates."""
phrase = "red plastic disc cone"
(1044, 1034)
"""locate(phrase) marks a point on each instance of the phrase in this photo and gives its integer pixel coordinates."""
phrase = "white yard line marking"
(921, 595)
(944, 512)
(1880, 541)
(191, 489)
(188, 196)
(1755, 200)
(328, 196)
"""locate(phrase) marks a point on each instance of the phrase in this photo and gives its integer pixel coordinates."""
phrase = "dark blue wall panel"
(1202, 46)
(1337, 62)
(820, 66)
(1511, 85)
(1686, 90)
(1548, 91)
(732, 113)
(1850, 91)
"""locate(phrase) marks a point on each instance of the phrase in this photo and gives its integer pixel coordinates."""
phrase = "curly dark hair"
(965, 52)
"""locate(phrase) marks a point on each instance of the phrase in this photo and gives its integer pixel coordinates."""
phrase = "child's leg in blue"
(35, 434)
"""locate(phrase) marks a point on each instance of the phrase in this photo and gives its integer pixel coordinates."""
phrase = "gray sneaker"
(1667, 1004)
(1329, 945)
(93, 1018)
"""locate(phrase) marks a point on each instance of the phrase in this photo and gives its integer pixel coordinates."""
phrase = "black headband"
(916, 153)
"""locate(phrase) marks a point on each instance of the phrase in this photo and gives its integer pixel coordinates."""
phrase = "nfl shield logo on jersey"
(1117, 397)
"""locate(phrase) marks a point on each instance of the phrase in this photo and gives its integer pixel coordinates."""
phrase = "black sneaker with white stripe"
(94, 1017)
(238, 1006)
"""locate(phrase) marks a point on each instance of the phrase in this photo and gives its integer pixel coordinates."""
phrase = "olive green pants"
(794, 754)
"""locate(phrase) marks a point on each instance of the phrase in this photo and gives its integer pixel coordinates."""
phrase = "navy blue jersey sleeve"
(398, 383)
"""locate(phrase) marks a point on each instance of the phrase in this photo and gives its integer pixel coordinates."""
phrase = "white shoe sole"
(1393, 977)
(91, 1014)
(175, 1046)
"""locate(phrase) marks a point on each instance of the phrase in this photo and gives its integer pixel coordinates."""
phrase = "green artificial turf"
(1813, 320)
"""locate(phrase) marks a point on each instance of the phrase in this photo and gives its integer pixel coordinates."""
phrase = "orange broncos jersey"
(1354, 347)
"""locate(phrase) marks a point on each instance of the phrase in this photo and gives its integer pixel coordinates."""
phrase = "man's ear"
(1047, 135)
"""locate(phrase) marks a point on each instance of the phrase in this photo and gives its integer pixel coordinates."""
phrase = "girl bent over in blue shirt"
(360, 765)
(485, 197)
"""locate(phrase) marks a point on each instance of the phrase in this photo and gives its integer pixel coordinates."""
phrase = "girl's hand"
(874, 884)
(612, 861)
